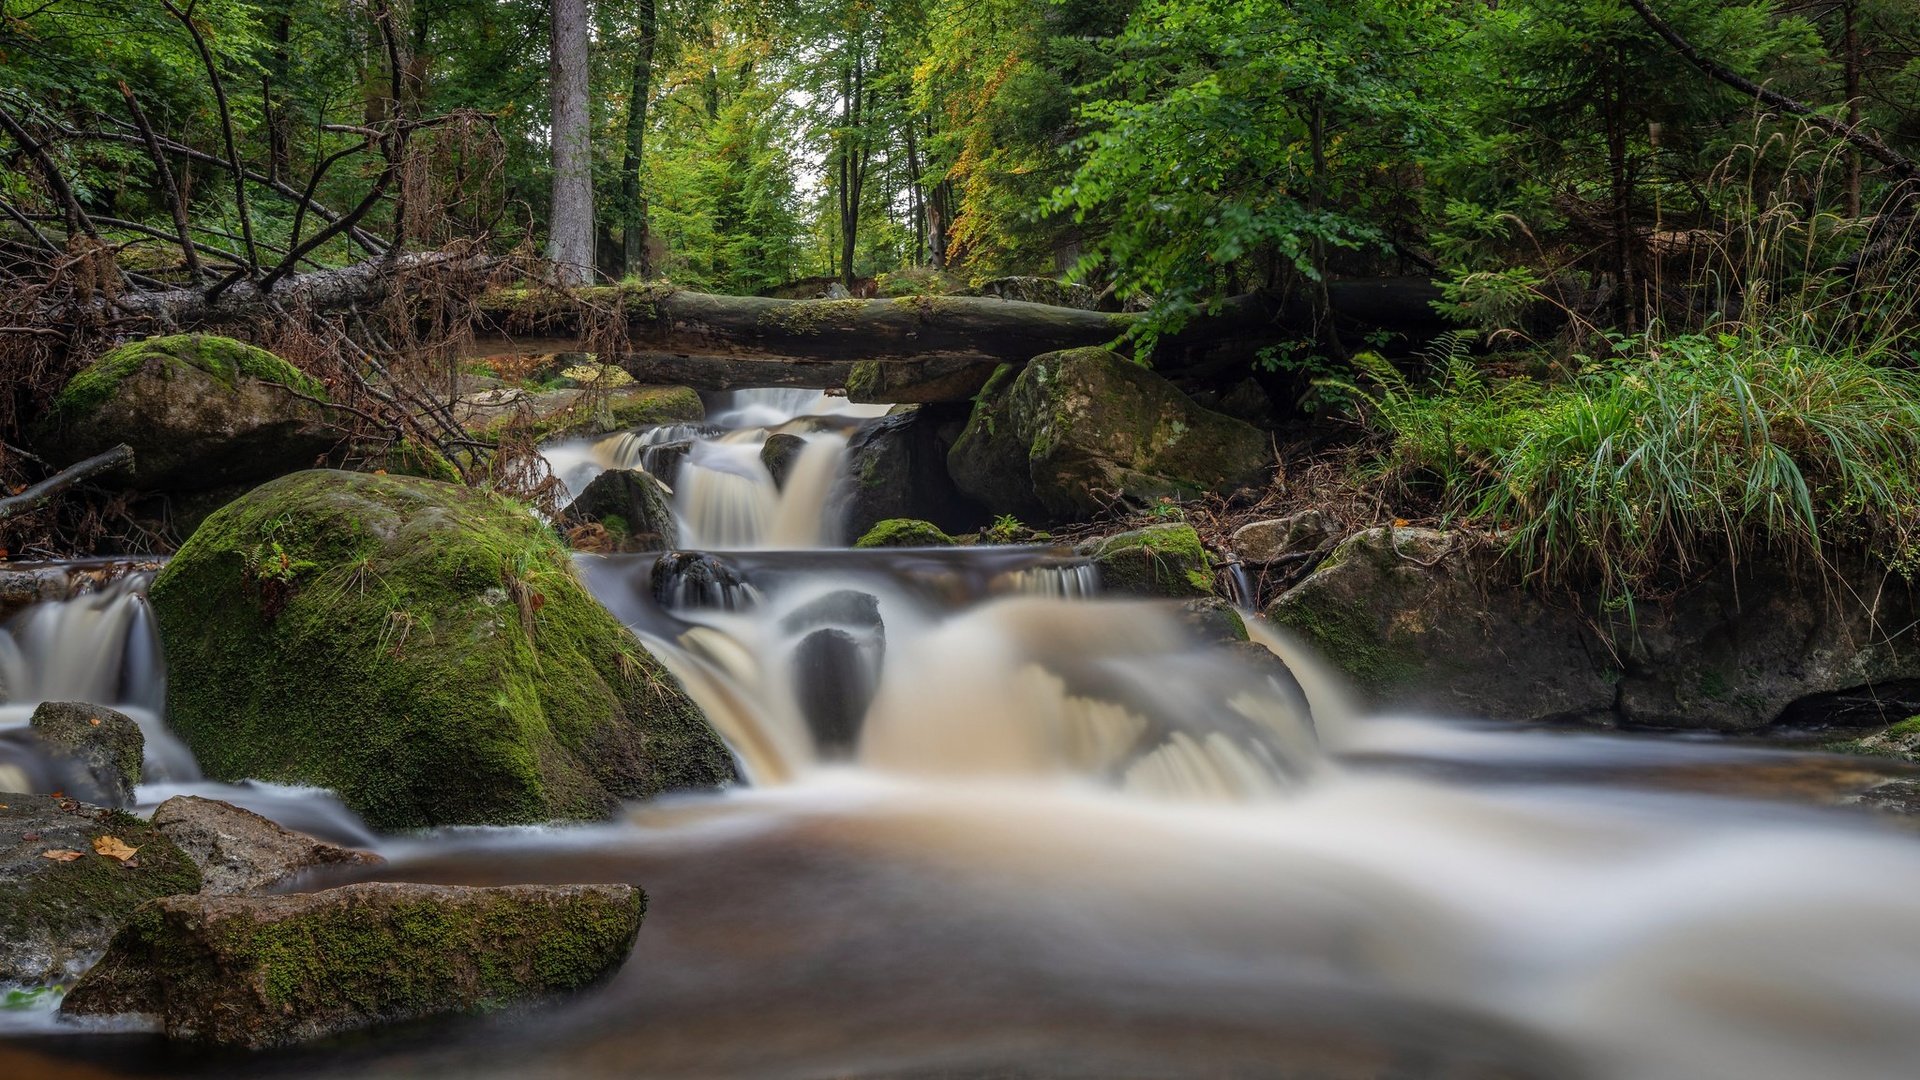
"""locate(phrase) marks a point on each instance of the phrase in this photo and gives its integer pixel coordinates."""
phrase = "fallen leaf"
(29, 837)
(95, 721)
(60, 855)
(113, 847)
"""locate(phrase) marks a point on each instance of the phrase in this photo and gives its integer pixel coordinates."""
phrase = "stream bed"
(995, 824)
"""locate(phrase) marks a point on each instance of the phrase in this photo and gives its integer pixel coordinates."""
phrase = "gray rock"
(779, 453)
(635, 508)
(57, 913)
(1281, 539)
(260, 971)
(239, 851)
(1079, 432)
(1436, 621)
(103, 747)
(897, 468)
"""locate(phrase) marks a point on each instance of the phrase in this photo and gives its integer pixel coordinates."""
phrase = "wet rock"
(200, 411)
(694, 579)
(103, 747)
(635, 508)
(897, 468)
(833, 685)
(1294, 537)
(1076, 433)
(848, 608)
(1436, 621)
(261, 971)
(239, 851)
(57, 913)
(904, 532)
(1159, 561)
(425, 650)
(778, 455)
(1214, 620)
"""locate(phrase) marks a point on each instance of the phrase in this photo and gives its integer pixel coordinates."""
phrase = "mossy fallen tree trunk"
(910, 349)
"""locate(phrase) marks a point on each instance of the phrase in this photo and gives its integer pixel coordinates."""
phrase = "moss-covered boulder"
(426, 650)
(200, 412)
(904, 532)
(779, 453)
(1159, 560)
(61, 898)
(634, 508)
(260, 971)
(896, 467)
(1080, 431)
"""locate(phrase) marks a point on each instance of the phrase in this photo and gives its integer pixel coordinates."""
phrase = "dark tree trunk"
(633, 201)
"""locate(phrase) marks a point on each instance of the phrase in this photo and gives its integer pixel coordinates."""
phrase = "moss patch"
(223, 358)
(1351, 639)
(904, 532)
(425, 650)
(1159, 560)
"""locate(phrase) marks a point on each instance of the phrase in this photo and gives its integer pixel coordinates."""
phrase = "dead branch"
(120, 456)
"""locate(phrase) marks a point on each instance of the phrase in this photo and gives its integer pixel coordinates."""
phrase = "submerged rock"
(260, 971)
(634, 508)
(103, 748)
(61, 899)
(201, 412)
(239, 851)
(682, 580)
(904, 532)
(1075, 433)
(1159, 560)
(1436, 621)
(833, 686)
(425, 650)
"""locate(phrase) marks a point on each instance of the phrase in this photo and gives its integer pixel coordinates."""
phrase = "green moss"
(223, 358)
(904, 532)
(1909, 726)
(813, 316)
(424, 649)
(1159, 560)
(66, 900)
(865, 380)
(411, 458)
(1349, 637)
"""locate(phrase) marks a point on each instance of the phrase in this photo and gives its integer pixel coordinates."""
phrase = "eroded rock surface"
(239, 851)
(101, 747)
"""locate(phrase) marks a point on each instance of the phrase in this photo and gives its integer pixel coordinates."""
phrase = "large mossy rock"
(1077, 432)
(200, 411)
(1438, 621)
(58, 910)
(634, 508)
(260, 971)
(423, 649)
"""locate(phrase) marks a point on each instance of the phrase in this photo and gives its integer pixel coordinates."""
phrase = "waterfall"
(96, 645)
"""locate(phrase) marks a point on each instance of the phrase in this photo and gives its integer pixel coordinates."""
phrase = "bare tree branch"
(119, 457)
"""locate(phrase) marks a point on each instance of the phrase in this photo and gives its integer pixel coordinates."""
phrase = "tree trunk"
(633, 201)
(570, 222)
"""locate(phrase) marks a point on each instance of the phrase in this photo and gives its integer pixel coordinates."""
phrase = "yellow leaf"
(60, 855)
(113, 847)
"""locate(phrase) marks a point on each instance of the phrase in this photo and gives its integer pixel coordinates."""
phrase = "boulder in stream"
(101, 746)
(904, 532)
(239, 851)
(633, 507)
(779, 453)
(1158, 561)
(1076, 433)
(61, 897)
(897, 468)
(261, 971)
(201, 412)
(1439, 621)
(425, 650)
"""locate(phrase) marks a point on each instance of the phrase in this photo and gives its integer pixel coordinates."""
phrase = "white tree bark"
(570, 225)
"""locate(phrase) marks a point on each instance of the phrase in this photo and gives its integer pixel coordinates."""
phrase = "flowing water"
(997, 825)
